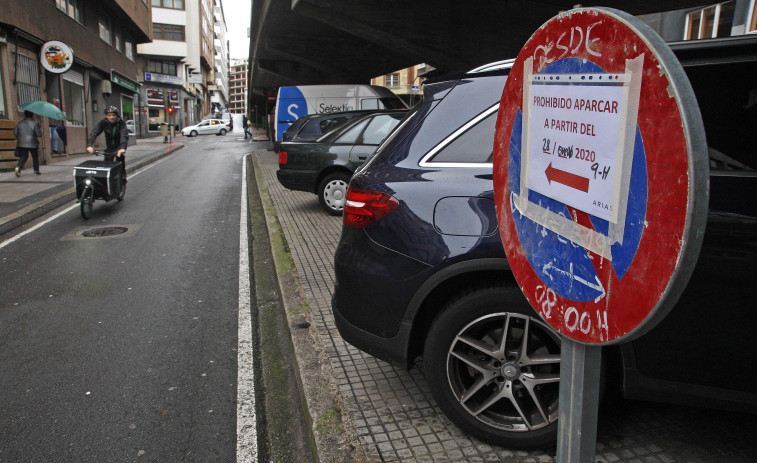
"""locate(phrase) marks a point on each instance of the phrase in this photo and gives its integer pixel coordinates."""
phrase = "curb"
(329, 423)
(29, 213)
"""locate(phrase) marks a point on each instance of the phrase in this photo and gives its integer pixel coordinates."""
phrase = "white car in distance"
(206, 127)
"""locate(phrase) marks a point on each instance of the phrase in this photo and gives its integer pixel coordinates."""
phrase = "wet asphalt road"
(124, 348)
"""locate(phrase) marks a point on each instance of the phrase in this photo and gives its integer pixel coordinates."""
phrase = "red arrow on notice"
(567, 179)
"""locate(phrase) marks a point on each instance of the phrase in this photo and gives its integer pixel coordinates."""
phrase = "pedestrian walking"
(54, 124)
(27, 132)
(246, 125)
(62, 137)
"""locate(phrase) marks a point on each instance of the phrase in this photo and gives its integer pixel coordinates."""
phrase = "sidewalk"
(24, 198)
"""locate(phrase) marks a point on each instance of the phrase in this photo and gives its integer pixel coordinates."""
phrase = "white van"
(293, 102)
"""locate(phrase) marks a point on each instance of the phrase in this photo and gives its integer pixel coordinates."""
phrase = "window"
(104, 24)
(173, 4)
(162, 67)
(27, 79)
(117, 39)
(350, 136)
(71, 7)
(167, 32)
(392, 80)
(3, 112)
(713, 21)
(129, 48)
(380, 127)
(472, 143)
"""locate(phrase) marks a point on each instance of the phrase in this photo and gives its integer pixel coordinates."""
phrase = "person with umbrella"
(27, 132)
(49, 110)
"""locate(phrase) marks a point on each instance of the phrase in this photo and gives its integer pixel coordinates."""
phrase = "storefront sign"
(123, 81)
(163, 78)
(195, 78)
(56, 57)
(155, 97)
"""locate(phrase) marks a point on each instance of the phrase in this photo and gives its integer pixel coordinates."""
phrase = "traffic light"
(170, 110)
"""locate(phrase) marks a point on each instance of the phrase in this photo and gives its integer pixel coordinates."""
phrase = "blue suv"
(421, 270)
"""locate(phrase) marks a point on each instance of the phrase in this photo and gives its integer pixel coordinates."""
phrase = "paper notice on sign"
(573, 142)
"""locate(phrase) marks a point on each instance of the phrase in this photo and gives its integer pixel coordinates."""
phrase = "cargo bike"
(98, 179)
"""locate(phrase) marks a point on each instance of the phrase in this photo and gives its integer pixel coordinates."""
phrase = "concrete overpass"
(350, 41)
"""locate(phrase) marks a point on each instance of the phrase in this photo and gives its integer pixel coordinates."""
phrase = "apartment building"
(79, 52)
(717, 20)
(238, 87)
(219, 91)
(178, 70)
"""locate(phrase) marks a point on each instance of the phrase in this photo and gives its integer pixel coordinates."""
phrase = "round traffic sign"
(600, 175)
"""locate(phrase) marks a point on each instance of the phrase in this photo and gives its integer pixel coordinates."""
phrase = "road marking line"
(26, 232)
(70, 208)
(247, 449)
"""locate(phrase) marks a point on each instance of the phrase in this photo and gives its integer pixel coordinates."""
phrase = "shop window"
(167, 32)
(27, 78)
(104, 25)
(710, 22)
(72, 8)
(73, 98)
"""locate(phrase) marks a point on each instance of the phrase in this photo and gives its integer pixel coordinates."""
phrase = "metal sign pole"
(579, 402)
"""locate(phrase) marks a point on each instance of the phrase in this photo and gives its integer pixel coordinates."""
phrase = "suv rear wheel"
(494, 368)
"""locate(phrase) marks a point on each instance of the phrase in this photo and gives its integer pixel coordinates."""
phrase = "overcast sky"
(237, 15)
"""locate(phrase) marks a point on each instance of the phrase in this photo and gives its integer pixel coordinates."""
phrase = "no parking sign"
(600, 175)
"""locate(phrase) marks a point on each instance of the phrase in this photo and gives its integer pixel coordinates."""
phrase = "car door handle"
(363, 158)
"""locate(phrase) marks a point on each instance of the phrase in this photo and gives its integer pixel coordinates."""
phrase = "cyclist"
(116, 135)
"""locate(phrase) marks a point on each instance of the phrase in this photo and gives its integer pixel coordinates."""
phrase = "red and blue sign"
(600, 175)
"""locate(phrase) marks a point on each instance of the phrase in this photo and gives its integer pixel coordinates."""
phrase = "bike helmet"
(111, 109)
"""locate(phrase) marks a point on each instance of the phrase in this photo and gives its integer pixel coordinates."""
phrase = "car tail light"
(365, 207)
(283, 157)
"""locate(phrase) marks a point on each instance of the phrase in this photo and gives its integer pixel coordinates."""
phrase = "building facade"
(716, 20)
(238, 87)
(175, 69)
(406, 83)
(81, 53)
(219, 91)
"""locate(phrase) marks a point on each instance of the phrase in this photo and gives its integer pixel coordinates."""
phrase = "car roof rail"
(495, 66)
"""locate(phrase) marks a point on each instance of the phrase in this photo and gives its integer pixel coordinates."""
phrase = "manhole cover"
(104, 231)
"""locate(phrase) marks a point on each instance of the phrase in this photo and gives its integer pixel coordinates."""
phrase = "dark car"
(324, 166)
(421, 271)
(311, 127)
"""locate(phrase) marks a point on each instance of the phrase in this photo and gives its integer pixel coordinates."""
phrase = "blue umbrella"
(43, 108)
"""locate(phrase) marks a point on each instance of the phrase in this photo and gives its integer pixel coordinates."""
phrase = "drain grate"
(104, 231)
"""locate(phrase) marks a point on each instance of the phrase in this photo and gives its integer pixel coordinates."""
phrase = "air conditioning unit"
(106, 87)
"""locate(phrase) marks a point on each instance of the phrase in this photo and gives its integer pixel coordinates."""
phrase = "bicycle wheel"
(85, 206)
